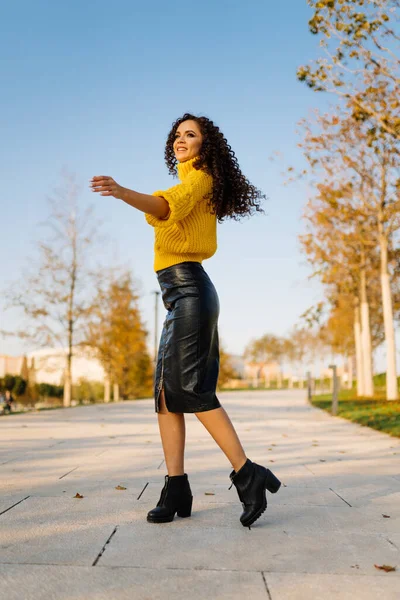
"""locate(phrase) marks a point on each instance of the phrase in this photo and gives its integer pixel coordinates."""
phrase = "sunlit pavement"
(336, 516)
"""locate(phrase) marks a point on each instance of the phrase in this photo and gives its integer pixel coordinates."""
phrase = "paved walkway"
(337, 515)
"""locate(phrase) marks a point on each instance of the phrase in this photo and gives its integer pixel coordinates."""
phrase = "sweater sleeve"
(182, 198)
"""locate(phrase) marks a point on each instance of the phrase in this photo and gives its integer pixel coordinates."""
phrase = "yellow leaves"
(120, 487)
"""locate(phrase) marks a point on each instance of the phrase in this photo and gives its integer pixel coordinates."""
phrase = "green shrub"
(19, 386)
(49, 390)
(88, 391)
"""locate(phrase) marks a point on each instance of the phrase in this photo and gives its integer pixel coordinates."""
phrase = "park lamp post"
(335, 390)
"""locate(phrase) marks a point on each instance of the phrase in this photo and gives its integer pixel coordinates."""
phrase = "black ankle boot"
(251, 481)
(176, 497)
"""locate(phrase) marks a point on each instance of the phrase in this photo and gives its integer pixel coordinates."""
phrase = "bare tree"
(55, 294)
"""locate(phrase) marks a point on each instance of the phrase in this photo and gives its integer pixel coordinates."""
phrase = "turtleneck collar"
(184, 168)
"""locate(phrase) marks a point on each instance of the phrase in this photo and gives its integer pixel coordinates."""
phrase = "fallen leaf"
(285, 435)
(385, 516)
(209, 494)
(270, 460)
(342, 451)
(120, 487)
(315, 444)
(322, 460)
(78, 495)
(386, 568)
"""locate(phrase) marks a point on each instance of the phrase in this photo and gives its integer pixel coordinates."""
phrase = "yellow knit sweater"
(189, 232)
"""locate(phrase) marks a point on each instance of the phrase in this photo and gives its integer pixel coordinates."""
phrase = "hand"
(106, 186)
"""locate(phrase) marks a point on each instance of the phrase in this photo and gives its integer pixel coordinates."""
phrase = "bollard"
(335, 390)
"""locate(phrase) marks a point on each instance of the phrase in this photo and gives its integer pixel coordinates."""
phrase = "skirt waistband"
(181, 272)
(183, 279)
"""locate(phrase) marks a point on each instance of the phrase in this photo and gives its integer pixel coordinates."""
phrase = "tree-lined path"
(335, 518)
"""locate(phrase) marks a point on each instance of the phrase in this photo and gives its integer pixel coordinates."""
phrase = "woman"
(212, 187)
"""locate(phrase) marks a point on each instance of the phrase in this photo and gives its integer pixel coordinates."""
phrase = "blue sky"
(93, 87)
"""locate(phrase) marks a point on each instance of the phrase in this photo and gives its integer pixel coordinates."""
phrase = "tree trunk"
(366, 337)
(290, 381)
(391, 376)
(359, 350)
(349, 372)
(116, 392)
(67, 389)
(267, 378)
(71, 322)
(67, 381)
(107, 389)
(279, 382)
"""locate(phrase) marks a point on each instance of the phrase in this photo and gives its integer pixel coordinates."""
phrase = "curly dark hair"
(233, 196)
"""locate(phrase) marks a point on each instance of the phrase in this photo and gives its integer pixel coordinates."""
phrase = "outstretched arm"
(153, 205)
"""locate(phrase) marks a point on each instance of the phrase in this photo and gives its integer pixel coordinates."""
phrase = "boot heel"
(272, 483)
(186, 509)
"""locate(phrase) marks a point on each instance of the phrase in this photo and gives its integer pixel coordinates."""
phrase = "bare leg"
(220, 427)
(172, 432)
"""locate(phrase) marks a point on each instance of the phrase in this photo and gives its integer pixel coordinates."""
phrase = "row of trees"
(353, 219)
(70, 301)
(301, 349)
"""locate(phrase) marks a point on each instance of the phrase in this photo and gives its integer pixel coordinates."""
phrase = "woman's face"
(188, 140)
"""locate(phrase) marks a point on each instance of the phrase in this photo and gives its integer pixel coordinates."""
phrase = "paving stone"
(63, 530)
(45, 582)
(261, 548)
(309, 543)
(301, 586)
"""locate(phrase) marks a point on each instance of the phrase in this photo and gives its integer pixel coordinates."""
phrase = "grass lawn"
(377, 413)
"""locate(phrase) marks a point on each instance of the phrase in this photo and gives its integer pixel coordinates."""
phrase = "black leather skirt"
(188, 355)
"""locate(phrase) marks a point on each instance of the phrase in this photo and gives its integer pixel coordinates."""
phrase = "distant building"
(10, 365)
(49, 365)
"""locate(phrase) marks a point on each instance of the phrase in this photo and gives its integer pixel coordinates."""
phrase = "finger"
(102, 184)
(107, 181)
(99, 177)
(106, 194)
(101, 188)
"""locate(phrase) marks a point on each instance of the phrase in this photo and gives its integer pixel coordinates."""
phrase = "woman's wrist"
(123, 194)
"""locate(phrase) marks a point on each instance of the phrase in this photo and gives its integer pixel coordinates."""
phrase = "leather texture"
(251, 481)
(176, 497)
(188, 355)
